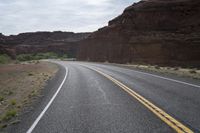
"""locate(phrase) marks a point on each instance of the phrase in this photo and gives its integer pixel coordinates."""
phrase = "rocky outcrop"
(165, 32)
(59, 42)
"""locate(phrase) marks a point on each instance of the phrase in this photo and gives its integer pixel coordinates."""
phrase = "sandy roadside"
(193, 73)
(21, 85)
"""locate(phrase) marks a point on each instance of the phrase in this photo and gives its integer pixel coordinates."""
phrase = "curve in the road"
(172, 122)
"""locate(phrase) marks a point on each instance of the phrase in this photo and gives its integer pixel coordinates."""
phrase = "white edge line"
(48, 105)
(168, 79)
(153, 75)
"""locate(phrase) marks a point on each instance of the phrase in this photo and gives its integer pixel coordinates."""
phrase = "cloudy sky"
(18, 16)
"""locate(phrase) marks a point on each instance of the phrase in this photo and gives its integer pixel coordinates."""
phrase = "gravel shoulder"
(20, 86)
(193, 73)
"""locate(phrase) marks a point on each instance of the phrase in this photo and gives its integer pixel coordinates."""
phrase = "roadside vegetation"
(39, 56)
(4, 59)
(15, 76)
(179, 71)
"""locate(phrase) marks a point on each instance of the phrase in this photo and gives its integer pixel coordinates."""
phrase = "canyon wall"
(164, 32)
(36, 42)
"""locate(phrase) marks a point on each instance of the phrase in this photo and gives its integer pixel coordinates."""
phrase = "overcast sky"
(18, 16)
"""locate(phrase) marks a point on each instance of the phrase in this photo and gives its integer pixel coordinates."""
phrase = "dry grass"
(179, 71)
(20, 84)
(184, 72)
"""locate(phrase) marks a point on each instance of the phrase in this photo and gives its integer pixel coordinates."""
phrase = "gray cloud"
(66, 15)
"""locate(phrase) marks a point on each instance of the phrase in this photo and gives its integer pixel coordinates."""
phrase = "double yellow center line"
(172, 122)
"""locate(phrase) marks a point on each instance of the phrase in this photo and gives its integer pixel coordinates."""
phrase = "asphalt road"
(88, 102)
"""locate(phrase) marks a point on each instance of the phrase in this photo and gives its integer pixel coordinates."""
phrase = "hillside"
(59, 42)
(165, 32)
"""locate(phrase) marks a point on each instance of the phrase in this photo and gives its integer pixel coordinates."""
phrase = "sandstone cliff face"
(151, 31)
(59, 42)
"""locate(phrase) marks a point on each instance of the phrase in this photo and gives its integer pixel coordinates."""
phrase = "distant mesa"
(35, 42)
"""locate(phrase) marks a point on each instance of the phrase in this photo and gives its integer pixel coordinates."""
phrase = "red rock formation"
(152, 31)
(59, 42)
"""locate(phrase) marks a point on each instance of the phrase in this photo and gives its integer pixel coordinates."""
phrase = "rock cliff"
(59, 42)
(165, 32)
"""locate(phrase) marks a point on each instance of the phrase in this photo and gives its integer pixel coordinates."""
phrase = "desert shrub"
(4, 59)
(30, 74)
(3, 126)
(39, 56)
(13, 102)
(193, 71)
(1, 98)
(9, 114)
(25, 57)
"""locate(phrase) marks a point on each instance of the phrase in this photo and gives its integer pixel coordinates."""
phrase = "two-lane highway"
(94, 98)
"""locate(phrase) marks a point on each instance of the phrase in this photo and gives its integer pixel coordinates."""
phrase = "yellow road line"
(172, 122)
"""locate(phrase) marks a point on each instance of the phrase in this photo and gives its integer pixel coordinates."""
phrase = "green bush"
(4, 59)
(1, 98)
(9, 114)
(24, 57)
(38, 56)
(13, 102)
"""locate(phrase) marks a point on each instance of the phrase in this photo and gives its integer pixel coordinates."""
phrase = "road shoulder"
(30, 113)
(174, 75)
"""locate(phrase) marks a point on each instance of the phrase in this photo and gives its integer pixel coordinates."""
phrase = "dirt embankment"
(20, 85)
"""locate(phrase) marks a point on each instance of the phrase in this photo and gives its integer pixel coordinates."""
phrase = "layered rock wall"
(163, 32)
